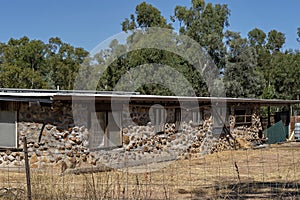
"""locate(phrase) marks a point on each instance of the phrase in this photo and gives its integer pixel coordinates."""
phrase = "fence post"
(27, 169)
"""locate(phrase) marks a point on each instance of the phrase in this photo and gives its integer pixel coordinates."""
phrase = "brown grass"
(272, 172)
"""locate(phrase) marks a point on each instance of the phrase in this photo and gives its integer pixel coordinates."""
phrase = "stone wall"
(141, 115)
(52, 136)
(55, 137)
(190, 138)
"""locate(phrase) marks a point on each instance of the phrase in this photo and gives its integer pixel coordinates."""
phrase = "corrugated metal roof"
(149, 98)
(52, 95)
(26, 97)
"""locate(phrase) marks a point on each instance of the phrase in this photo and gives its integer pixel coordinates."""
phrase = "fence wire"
(266, 173)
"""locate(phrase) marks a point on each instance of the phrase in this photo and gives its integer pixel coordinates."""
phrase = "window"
(197, 117)
(105, 130)
(8, 132)
(243, 117)
(158, 116)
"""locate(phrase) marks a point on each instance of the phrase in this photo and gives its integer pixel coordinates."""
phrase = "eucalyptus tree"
(276, 41)
(33, 64)
(205, 23)
(241, 77)
(286, 73)
(63, 62)
(23, 64)
(145, 16)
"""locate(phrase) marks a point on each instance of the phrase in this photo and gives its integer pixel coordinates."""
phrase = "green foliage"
(241, 76)
(23, 64)
(167, 68)
(146, 16)
(275, 40)
(205, 24)
(254, 66)
(33, 64)
(269, 92)
(285, 74)
(257, 37)
(64, 61)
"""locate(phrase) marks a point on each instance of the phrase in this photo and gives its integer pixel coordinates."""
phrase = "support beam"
(269, 116)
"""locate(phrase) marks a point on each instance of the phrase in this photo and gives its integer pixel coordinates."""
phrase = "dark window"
(242, 117)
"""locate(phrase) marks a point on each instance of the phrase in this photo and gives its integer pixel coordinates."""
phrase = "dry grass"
(243, 174)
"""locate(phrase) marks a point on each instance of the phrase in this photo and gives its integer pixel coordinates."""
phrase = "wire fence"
(272, 172)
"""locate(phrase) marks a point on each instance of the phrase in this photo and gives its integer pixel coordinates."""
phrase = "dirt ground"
(265, 173)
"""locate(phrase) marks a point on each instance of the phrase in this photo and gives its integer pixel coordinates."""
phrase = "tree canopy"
(34, 64)
(251, 66)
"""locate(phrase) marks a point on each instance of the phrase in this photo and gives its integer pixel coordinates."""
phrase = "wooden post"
(289, 120)
(27, 169)
(269, 116)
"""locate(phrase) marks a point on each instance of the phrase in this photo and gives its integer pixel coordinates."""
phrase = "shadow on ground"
(248, 190)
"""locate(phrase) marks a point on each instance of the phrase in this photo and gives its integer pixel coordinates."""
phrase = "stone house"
(74, 123)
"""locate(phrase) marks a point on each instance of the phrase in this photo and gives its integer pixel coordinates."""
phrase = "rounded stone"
(68, 146)
(33, 159)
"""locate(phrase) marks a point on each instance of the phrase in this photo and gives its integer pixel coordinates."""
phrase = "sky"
(88, 23)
